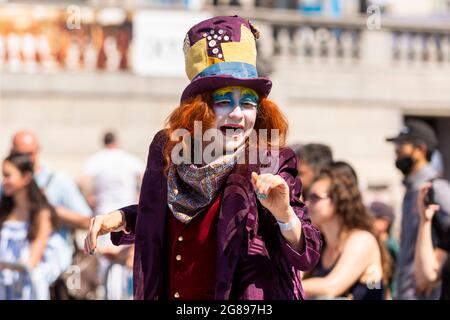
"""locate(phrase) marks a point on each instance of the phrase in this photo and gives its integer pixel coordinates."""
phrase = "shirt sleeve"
(122, 238)
(442, 197)
(139, 166)
(306, 259)
(90, 167)
(71, 196)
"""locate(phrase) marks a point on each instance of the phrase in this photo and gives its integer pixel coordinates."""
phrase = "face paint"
(228, 98)
(235, 109)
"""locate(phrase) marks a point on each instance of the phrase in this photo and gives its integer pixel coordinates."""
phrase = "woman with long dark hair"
(26, 225)
(353, 264)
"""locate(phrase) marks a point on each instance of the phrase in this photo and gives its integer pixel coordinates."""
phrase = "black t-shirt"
(444, 244)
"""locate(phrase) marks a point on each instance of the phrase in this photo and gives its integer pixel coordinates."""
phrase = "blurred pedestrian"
(28, 236)
(414, 146)
(62, 193)
(112, 178)
(432, 263)
(383, 220)
(312, 158)
(354, 263)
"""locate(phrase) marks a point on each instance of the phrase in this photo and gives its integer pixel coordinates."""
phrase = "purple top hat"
(221, 52)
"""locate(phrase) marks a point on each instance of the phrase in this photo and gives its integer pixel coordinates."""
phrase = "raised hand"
(273, 193)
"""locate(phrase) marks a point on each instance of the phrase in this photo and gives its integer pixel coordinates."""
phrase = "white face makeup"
(235, 109)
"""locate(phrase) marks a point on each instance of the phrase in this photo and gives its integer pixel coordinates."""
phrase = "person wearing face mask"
(414, 147)
(212, 223)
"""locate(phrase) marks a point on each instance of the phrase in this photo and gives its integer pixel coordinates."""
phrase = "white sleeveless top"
(14, 250)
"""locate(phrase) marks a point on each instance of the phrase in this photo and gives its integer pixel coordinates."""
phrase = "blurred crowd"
(361, 259)
(44, 213)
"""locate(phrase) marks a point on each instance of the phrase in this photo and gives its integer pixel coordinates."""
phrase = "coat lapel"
(238, 209)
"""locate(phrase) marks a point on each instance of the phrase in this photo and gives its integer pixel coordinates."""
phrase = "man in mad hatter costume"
(220, 228)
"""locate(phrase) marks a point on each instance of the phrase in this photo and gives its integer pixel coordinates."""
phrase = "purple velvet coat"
(253, 259)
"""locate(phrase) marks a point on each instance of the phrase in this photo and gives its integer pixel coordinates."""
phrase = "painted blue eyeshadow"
(229, 100)
(249, 98)
(223, 97)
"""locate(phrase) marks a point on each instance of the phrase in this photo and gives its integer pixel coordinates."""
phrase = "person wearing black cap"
(414, 147)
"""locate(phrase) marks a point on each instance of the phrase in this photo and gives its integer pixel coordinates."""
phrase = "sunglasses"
(314, 197)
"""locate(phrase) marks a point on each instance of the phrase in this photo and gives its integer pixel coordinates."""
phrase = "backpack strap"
(49, 180)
